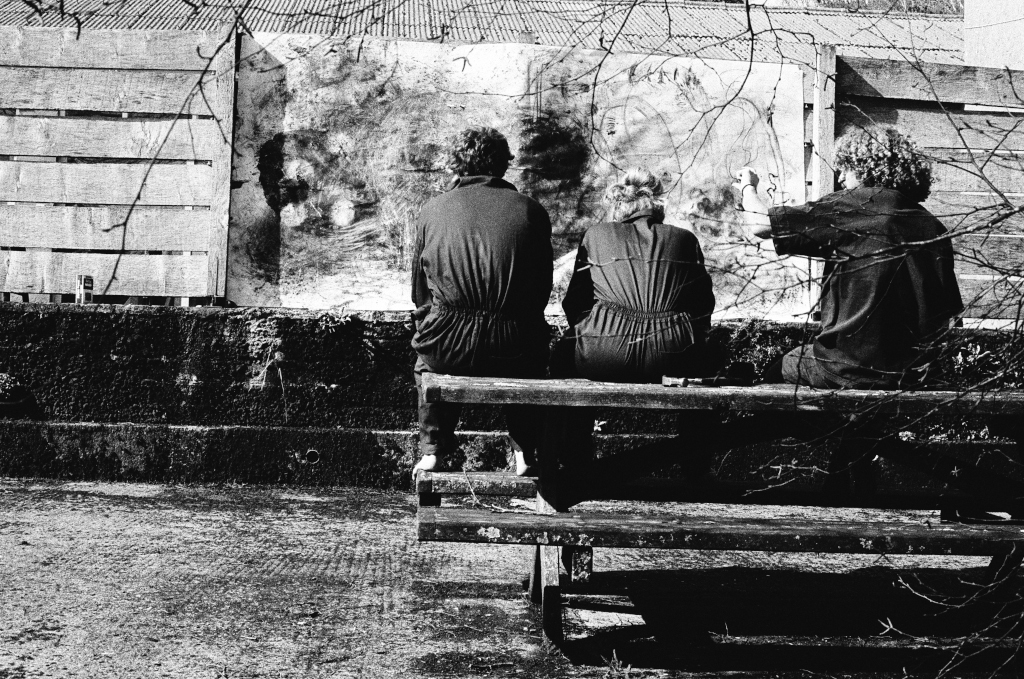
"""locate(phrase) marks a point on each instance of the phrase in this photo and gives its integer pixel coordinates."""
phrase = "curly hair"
(479, 151)
(884, 157)
(639, 190)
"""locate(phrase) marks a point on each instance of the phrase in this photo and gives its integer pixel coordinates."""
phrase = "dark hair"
(884, 157)
(480, 150)
(639, 190)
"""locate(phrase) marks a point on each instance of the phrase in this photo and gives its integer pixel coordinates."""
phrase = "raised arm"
(755, 212)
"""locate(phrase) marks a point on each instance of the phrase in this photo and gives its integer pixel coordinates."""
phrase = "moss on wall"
(244, 394)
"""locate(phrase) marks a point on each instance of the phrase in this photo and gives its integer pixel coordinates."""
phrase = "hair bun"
(638, 190)
(644, 181)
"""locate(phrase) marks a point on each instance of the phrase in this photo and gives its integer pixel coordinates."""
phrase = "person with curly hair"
(889, 292)
(640, 300)
(481, 276)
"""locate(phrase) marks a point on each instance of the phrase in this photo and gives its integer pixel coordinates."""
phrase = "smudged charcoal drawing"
(339, 142)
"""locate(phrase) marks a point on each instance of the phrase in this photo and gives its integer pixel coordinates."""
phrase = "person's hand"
(746, 177)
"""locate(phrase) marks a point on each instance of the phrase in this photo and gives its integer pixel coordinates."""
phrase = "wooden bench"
(552, 526)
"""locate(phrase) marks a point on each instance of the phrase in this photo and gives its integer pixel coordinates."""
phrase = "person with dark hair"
(481, 278)
(889, 292)
(640, 300)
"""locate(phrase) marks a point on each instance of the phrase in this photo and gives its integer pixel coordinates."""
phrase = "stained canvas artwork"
(339, 142)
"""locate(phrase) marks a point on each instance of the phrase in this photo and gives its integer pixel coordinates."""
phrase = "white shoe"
(523, 467)
(427, 463)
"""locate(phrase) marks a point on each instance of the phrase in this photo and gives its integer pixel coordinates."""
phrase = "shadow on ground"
(750, 620)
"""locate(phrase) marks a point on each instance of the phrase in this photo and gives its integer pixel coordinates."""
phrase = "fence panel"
(115, 160)
(970, 122)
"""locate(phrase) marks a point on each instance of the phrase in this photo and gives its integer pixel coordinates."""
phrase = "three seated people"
(640, 300)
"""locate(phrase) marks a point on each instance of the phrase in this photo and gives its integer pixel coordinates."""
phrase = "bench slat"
(504, 484)
(507, 484)
(715, 533)
(772, 397)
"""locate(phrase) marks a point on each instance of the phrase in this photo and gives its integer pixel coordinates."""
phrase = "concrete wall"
(992, 33)
(165, 393)
(290, 396)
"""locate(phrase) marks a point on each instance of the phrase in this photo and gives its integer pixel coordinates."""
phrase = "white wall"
(994, 33)
(363, 124)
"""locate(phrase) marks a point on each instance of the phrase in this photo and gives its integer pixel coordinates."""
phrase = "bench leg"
(536, 589)
(551, 595)
(578, 563)
(545, 591)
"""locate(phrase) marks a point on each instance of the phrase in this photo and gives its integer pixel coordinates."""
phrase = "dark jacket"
(481, 278)
(889, 290)
(640, 301)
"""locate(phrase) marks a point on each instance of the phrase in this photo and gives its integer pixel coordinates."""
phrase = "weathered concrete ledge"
(288, 367)
(235, 454)
(252, 367)
(319, 456)
(241, 394)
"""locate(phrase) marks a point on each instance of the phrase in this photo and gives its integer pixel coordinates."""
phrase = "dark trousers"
(799, 366)
(438, 422)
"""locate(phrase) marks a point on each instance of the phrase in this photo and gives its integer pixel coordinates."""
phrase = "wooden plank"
(674, 531)
(114, 90)
(928, 82)
(995, 298)
(56, 272)
(823, 162)
(765, 397)
(964, 171)
(985, 254)
(932, 127)
(106, 183)
(975, 213)
(718, 491)
(100, 228)
(222, 101)
(164, 50)
(551, 595)
(182, 139)
(903, 643)
(504, 484)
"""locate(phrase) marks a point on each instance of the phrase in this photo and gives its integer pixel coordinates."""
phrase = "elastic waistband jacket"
(486, 313)
(642, 315)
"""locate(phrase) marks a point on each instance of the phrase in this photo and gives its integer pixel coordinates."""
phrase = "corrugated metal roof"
(704, 29)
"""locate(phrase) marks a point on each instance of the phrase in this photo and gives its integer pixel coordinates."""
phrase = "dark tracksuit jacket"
(889, 290)
(481, 278)
(640, 301)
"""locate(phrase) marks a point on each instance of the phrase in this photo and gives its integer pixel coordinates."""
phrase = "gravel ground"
(131, 580)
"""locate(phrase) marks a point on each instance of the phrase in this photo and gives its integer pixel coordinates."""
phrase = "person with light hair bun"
(640, 300)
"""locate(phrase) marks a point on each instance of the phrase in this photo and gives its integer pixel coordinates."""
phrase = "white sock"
(426, 464)
(521, 465)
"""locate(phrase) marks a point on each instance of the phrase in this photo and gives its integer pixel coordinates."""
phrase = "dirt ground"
(131, 580)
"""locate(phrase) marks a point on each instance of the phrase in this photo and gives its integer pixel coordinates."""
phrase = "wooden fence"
(115, 160)
(970, 121)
